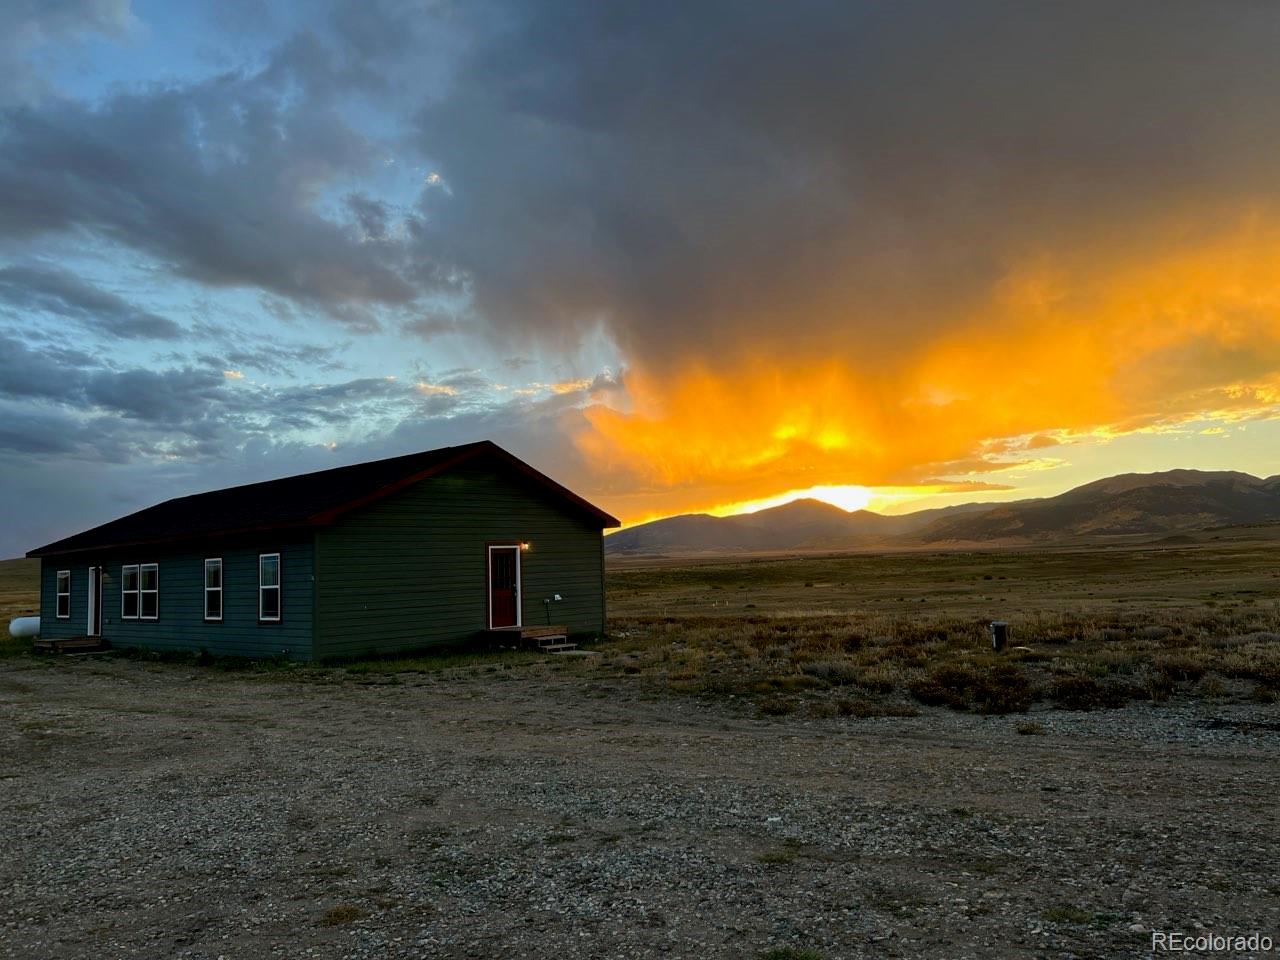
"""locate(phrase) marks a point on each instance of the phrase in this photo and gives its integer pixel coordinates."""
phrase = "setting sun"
(847, 497)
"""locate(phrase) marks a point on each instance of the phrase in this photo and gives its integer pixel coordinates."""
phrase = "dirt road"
(161, 811)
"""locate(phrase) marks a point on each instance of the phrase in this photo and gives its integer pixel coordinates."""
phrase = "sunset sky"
(681, 256)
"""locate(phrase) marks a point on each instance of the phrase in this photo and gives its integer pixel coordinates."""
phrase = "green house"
(374, 558)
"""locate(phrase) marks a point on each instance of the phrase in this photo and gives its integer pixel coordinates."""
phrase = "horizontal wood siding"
(409, 571)
(181, 624)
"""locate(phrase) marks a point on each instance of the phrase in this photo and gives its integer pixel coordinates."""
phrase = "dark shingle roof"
(307, 500)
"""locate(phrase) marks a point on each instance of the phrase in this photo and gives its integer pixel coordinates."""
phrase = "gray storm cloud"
(217, 180)
(699, 178)
(27, 288)
(33, 27)
(808, 176)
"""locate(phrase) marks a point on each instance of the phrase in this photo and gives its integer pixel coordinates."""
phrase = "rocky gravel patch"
(152, 811)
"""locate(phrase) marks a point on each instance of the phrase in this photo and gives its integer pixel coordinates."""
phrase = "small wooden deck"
(553, 638)
(71, 644)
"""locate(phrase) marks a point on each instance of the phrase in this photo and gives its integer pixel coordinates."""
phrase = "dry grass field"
(864, 633)
(19, 589)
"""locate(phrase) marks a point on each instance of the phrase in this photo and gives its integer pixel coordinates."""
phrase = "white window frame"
(59, 593)
(278, 587)
(136, 591)
(142, 593)
(218, 590)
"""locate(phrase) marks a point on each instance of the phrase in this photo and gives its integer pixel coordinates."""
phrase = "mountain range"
(1174, 501)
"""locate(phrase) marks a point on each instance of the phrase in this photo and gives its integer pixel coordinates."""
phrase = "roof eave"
(48, 551)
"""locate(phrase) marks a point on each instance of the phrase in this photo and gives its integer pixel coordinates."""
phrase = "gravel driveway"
(157, 811)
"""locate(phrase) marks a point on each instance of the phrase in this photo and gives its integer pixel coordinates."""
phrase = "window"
(269, 586)
(64, 595)
(129, 592)
(213, 589)
(149, 590)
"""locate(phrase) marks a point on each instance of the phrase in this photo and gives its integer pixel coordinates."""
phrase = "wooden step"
(81, 643)
(541, 635)
(529, 632)
(558, 647)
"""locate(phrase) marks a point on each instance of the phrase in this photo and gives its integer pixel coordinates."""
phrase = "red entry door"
(504, 586)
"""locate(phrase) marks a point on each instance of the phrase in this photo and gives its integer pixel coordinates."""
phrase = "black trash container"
(999, 634)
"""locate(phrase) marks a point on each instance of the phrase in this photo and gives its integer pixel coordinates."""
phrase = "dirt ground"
(157, 810)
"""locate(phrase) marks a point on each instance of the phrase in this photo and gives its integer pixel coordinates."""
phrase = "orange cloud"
(1092, 343)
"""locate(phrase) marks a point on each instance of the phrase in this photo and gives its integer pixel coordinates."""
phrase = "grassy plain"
(876, 633)
(19, 589)
(881, 634)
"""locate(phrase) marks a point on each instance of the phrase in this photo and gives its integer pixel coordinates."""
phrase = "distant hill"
(1133, 503)
(812, 524)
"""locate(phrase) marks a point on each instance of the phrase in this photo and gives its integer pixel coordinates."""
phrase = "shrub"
(1056, 638)
(880, 678)
(341, 915)
(947, 686)
(1254, 661)
(1001, 689)
(1181, 667)
(853, 642)
(1262, 637)
(16, 646)
(863, 707)
(1080, 692)
(1211, 688)
(834, 672)
(796, 681)
(777, 707)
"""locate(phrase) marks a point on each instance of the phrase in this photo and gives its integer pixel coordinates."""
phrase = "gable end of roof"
(304, 501)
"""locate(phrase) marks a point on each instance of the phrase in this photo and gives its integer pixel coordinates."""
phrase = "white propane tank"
(22, 627)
